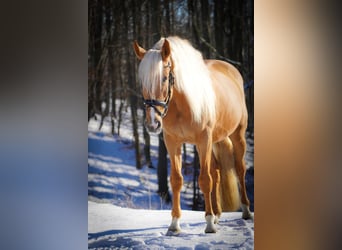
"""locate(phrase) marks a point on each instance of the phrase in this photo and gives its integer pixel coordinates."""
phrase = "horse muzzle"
(153, 126)
(153, 121)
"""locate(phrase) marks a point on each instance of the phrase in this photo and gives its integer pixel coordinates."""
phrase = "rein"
(164, 104)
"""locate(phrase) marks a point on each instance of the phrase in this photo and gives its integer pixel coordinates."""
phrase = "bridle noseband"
(164, 104)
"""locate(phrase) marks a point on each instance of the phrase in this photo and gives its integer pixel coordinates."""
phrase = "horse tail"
(229, 190)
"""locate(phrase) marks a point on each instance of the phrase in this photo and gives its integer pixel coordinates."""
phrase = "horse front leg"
(215, 194)
(176, 179)
(205, 180)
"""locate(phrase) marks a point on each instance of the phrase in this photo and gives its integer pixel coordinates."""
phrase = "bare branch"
(215, 51)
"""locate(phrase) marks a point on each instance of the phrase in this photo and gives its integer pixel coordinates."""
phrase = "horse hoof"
(173, 232)
(247, 216)
(216, 220)
(210, 230)
(210, 224)
(174, 228)
(246, 213)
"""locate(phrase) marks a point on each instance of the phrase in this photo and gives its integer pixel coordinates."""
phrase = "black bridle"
(164, 104)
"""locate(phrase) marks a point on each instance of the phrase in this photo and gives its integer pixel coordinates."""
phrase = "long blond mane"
(191, 76)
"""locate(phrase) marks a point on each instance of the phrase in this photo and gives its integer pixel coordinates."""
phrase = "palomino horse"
(199, 102)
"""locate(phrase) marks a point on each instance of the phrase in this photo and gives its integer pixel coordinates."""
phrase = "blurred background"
(44, 135)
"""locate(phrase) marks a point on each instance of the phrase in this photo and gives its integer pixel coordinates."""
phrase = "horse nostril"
(153, 126)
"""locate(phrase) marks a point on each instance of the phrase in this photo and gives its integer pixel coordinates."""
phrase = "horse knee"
(176, 182)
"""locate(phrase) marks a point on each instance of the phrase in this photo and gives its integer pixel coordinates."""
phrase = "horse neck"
(179, 103)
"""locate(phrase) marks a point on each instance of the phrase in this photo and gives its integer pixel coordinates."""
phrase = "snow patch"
(111, 226)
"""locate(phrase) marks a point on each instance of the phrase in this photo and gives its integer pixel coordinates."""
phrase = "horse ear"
(166, 50)
(139, 52)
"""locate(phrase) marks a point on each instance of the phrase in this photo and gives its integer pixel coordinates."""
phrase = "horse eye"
(164, 78)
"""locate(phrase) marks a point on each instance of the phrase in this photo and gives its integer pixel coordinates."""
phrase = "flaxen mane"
(191, 76)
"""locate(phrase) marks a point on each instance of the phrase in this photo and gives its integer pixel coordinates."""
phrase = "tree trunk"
(132, 96)
(218, 23)
(156, 20)
(147, 146)
(163, 189)
(135, 132)
(197, 200)
(205, 28)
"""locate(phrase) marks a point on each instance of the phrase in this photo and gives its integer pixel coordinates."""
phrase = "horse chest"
(181, 128)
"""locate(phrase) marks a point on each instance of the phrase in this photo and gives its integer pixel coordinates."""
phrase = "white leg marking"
(210, 224)
(216, 220)
(174, 228)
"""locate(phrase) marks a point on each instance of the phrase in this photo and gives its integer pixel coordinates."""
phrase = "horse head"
(156, 77)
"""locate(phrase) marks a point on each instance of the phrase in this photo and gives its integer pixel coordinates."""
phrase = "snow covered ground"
(125, 211)
(113, 227)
